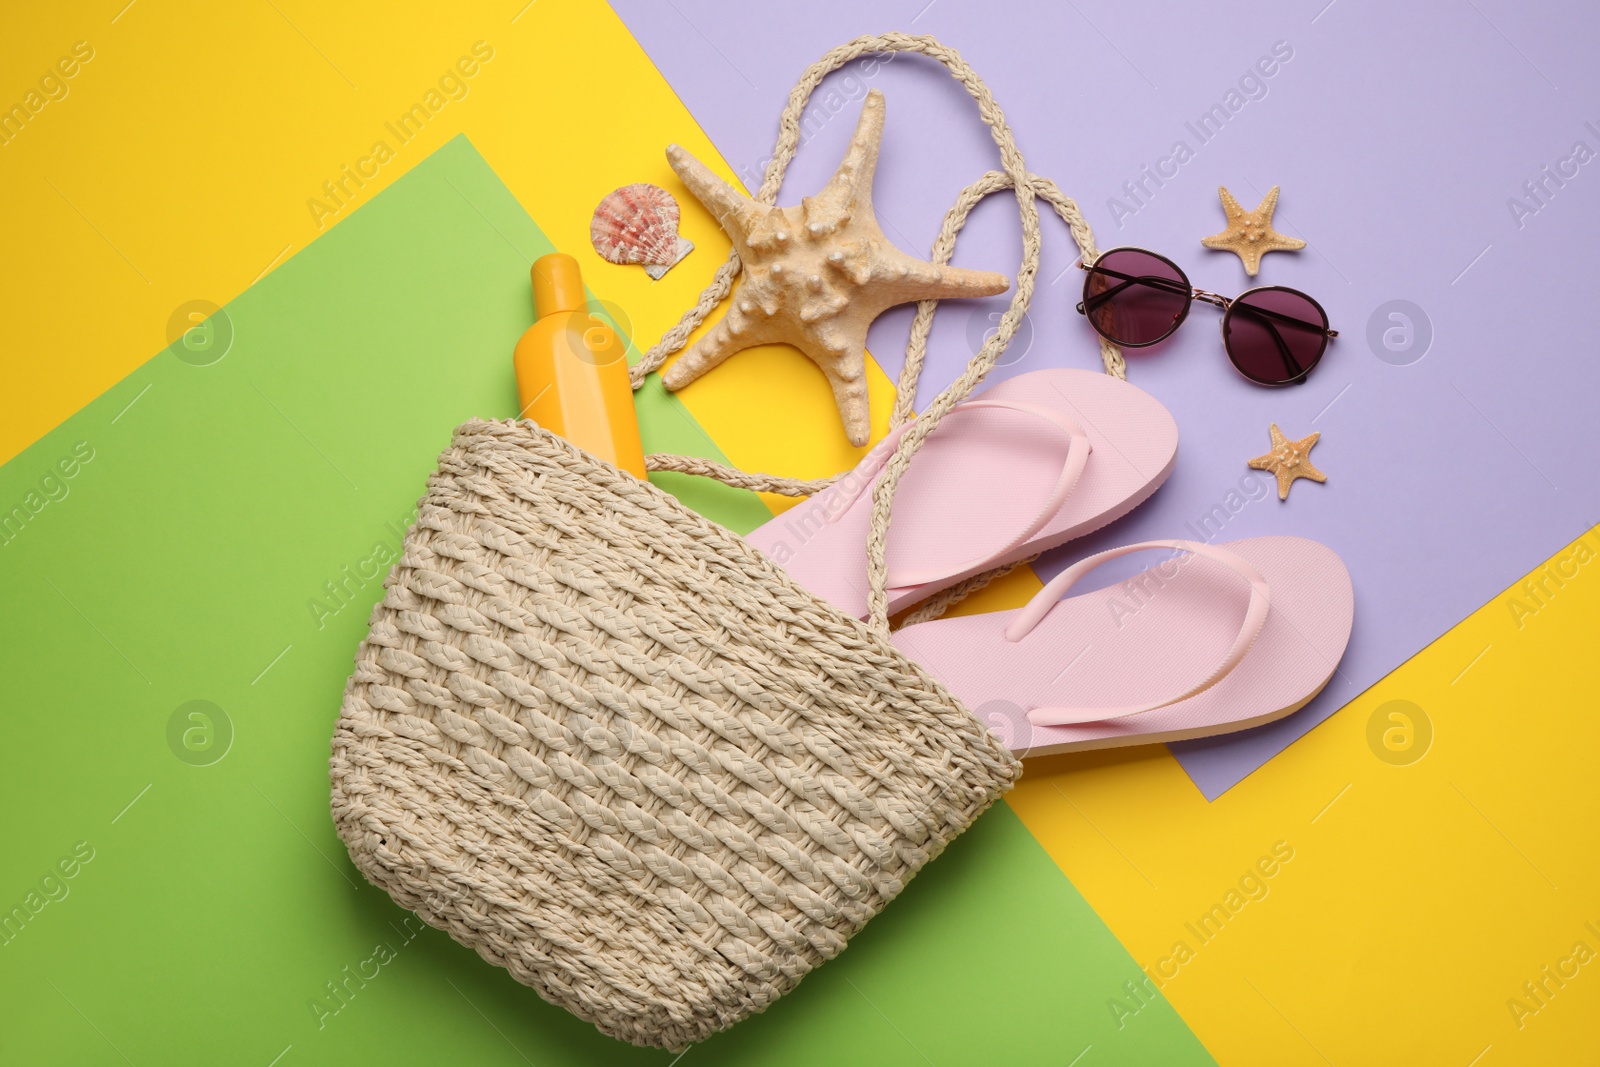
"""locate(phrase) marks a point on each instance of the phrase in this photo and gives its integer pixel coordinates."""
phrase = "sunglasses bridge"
(1212, 298)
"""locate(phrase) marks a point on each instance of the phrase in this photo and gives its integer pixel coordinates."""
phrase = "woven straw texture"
(612, 748)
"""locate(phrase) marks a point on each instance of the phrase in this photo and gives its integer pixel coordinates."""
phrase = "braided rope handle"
(955, 219)
(942, 601)
(1015, 176)
(760, 483)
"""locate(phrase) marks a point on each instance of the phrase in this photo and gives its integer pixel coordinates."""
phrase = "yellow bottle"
(572, 370)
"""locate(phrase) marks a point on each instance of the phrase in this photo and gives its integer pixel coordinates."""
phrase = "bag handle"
(1014, 175)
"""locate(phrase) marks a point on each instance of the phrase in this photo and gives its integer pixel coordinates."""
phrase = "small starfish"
(1289, 460)
(1250, 234)
(815, 276)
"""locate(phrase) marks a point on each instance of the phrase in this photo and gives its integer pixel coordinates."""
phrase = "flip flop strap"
(1078, 450)
(1255, 618)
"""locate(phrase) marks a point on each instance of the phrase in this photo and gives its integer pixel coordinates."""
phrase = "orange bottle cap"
(557, 285)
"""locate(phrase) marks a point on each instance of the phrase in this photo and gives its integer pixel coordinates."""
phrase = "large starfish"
(1250, 234)
(815, 276)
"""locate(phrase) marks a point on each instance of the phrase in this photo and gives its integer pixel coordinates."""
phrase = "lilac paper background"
(1398, 134)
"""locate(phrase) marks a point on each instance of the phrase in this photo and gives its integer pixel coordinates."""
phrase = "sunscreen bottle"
(572, 370)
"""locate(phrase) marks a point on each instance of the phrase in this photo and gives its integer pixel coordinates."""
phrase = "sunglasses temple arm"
(1155, 283)
(1296, 372)
(1279, 316)
(1097, 299)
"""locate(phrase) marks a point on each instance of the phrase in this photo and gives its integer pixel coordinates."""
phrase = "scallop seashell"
(639, 224)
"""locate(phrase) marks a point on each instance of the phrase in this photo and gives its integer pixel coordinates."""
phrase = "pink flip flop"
(1215, 638)
(1023, 466)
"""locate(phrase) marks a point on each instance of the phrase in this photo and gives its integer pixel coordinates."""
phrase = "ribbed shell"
(636, 224)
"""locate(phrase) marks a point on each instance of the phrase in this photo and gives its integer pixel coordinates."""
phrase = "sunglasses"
(1273, 335)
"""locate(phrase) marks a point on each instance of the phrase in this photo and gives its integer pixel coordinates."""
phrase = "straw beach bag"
(614, 749)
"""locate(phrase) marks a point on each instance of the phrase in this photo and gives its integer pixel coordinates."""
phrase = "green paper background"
(179, 566)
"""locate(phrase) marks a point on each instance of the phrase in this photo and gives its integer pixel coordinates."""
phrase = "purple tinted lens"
(1275, 336)
(1135, 298)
